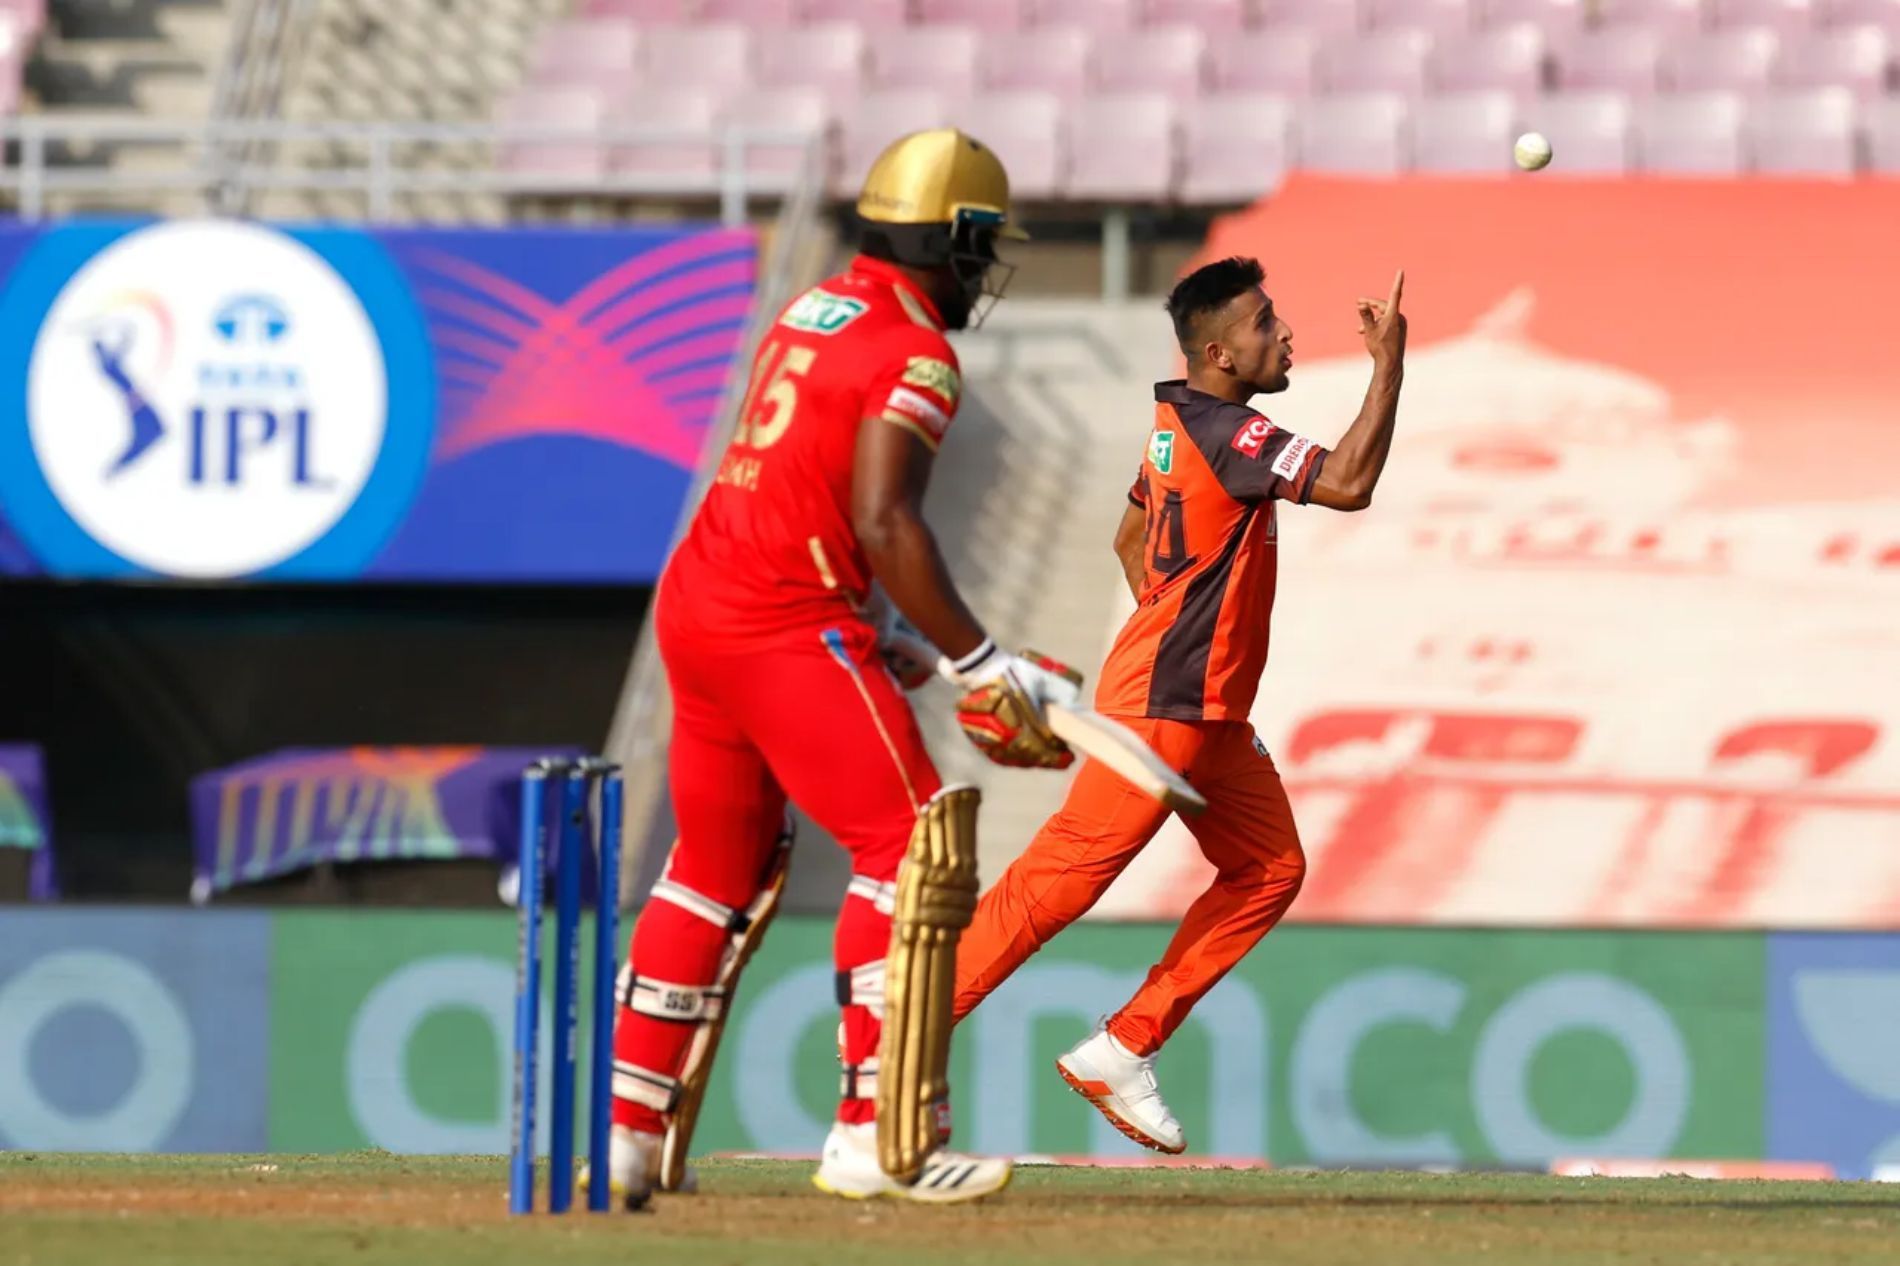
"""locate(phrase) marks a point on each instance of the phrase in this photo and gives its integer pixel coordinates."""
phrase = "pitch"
(369, 1208)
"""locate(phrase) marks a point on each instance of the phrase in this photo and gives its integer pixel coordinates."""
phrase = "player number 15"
(767, 412)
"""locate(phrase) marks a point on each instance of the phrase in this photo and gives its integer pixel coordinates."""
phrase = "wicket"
(576, 782)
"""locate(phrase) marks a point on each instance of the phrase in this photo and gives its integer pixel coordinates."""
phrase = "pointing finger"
(1398, 288)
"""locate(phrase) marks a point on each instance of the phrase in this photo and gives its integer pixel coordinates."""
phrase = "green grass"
(374, 1208)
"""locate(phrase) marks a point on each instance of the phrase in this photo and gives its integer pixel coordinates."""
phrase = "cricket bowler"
(1198, 544)
(782, 686)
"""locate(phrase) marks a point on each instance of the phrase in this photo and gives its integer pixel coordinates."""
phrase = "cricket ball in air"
(1532, 151)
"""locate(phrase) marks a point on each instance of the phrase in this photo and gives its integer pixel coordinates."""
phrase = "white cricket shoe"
(850, 1169)
(1121, 1085)
(633, 1168)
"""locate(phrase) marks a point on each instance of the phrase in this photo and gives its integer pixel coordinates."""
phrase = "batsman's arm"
(1131, 539)
(1353, 467)
(888, 481)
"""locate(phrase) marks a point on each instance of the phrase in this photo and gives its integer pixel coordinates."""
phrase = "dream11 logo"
(207, 398)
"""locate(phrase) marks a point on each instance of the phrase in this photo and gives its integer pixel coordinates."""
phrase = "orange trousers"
(1246, 831)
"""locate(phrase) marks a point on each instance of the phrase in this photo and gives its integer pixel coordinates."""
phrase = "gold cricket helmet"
(940, 177)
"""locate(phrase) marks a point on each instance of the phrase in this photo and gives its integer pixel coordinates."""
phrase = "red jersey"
(772, 547)
(1197, 643)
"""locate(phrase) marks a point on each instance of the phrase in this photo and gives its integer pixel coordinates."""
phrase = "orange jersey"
(1197, 642)
(772, 547)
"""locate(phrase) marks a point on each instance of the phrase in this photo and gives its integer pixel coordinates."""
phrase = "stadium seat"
(1026, 131)
(603, 51)
(1361, 134)
(580, 108)
(1882, 120)
(1625, 58)
(1739, 60)
(1171, 59)
(1673, 17)
(775, 168)
(1341, 16)
(1215, 17)
(749, 13)
(1091, 15)
(1592, 133)
(875, 121)
(1505, 58)
(1786, 16)
(689, 111)
(1282, 62)
(1123, 147)
(1804, 133)
(1856, 58)
(872, 15)
(1465, 132)
(940, 57)
(1047, 59)
(1445, 17)
(716, 57)
(830, 57)
(1882, 13)
(1693, 134)
(651, 12)
(985, 15)
(1234, 147)
(1556, 18)
(1379, 61)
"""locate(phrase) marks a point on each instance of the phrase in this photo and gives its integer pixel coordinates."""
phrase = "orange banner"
(1619, 640)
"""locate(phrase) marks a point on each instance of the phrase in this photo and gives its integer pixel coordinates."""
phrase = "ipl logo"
(207, 398)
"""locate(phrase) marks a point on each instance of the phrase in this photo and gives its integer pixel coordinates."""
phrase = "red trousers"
(1247, 832)
(811, 715)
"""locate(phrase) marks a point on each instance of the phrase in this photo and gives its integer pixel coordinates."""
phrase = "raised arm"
(1352, 469)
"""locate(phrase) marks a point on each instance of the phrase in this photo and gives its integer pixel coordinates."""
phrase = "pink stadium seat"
(576, 108)
(1215, 17)
(716, 58)
(1285, 62)
(1026, 131)
(987, 15)
(1380, 61)
(803, 110)
(1693, 134)
(1170, 59)
(830, 57)
(686, 160)
(1881, 13)
(749, 13)
(1855, 57)
(1448, 17)
(1123, 147)
(1361, 133)
(1093, 15)
(1808, 133)
(1465, 132)
(1234, 148)
(586, 50)
(1624, 58)
(1049, 59)
(1591, 133)
(1739, 60)
(1313, 15)
(878, 119)
(1671, 16)
(650, 12)
(1787, 16)
(1507, 58)
(939, 57)
(873, 15)
(1557, 18)
(1882, 119)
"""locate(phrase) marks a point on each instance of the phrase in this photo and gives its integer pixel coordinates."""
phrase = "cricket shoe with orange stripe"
(1121, 1085)
(849, 1168)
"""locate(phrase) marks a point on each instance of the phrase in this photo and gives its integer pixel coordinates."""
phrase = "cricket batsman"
(1198, 543)
(783, 689)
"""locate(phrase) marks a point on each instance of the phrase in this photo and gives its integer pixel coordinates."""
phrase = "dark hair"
(1208, 289)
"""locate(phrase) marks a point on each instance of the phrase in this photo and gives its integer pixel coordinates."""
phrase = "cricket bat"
(1107, 740)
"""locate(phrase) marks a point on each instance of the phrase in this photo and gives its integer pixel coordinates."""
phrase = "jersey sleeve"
(1138, 492)
(1258, 461)
(916, 385)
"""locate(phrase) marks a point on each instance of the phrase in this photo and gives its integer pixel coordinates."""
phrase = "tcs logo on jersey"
(1250, 439)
